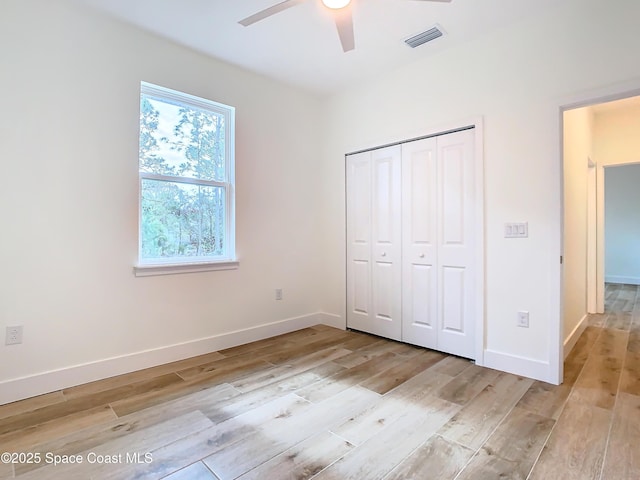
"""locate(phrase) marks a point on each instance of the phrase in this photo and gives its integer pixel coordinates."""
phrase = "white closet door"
(386, 242)
(359, 298)
(456, 236)
(419, 243)
(374, 242)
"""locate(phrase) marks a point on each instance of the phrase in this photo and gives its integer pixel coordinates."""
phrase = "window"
(186, 166)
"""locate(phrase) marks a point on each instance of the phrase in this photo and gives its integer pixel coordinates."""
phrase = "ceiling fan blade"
(267, 12)
(344, 22)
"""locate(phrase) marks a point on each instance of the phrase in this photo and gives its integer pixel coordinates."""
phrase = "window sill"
(176, 268)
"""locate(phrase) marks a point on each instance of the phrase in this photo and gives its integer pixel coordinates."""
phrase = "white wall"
(616, 130)
(68, 145)
(578, 148)
(517, 78)
(622, 224)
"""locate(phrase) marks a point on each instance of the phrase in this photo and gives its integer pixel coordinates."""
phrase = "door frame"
(600, 229)
(586, 98)
(477, 123)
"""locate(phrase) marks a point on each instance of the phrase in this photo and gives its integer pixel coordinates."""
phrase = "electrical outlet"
(14, 335)
(278, 294)
(523, 319)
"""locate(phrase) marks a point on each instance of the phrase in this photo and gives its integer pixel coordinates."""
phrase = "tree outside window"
(186, 178)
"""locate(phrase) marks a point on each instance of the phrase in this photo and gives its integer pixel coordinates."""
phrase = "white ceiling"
(300, 45)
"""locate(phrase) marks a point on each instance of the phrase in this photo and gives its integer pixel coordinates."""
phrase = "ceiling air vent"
(423, 37)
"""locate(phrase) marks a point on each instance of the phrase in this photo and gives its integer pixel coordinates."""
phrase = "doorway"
(597, 135)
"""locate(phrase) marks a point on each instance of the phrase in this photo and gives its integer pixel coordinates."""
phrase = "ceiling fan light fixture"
(336, 4)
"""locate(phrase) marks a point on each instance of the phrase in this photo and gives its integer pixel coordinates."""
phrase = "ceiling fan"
(341, 13)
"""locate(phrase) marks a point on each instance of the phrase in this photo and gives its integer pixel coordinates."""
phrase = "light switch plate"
(516, 230)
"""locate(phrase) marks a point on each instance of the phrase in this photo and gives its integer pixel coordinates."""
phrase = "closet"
(411, 232)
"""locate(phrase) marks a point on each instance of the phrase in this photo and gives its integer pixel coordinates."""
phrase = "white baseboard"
(573, 337)
(622, 279)
(332, 320)
(523, 366)
(19, 388)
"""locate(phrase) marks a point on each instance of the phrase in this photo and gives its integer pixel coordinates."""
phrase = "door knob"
(384, 254)
(421, 255)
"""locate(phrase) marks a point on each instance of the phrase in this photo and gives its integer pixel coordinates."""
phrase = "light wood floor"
(326, 404)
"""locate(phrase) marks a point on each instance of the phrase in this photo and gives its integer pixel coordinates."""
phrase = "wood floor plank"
(452, 366)
(168, 459)
(150, 441)
(279, 341)
(627, 296)
(576, 445)
(95, 435)
(202, 442)
(86, 402)
(346, 378)
(511, 451)
(427, 382)
(597, 385)
(302, 461)
(624, 299)
(323, 339)
(142, 441)
(276, 437)
(476, 421)
(21, 439)
(416, 394)
(376, 457)
(239, 426)
(619, 321)
(397, 375)
(31, 404)
(365, 354)
(463, 388)
(630, 378)
(6, 471)
(634, 342)
(195, 471)
(439, 459)
(225, 367)
(622, 459)
(635, 316)
(585, 343)
(545, 399)
(223, 410)
(175, 391)
(611, 343)
(597, 319)
(359, 340)
(252, 381)
(140, 375)
(576, 359)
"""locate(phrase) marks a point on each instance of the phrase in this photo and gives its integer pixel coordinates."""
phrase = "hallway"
(602, 379)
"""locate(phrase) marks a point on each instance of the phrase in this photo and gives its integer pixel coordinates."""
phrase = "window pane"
(181, 140)
(182, 220)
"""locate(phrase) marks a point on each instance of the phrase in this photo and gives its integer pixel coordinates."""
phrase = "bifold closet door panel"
(456, 247)
(386, 237)
(374, 301)
(359, 298)
(419, 243)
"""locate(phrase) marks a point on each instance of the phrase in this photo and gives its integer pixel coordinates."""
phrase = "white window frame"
(173, 265)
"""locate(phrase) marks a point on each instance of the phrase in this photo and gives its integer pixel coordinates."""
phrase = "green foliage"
(181, 219)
